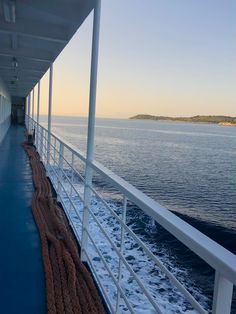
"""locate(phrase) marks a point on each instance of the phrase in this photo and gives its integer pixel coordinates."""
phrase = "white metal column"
(28, 111)
(49, 113)
(37, 125)
(223, 291)
(91, 125)
(33, 105)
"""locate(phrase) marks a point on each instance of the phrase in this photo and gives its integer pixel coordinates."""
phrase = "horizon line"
(147, 114)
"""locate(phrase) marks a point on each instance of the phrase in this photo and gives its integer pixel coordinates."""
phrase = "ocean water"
(188, 168)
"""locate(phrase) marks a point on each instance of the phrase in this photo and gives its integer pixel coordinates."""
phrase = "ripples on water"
(189, 168)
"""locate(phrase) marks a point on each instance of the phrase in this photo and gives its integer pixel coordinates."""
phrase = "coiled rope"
(69, 286)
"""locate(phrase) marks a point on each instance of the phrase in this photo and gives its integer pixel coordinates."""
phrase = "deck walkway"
(22, 284)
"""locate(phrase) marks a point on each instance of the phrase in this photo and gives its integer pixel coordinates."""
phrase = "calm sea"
(189, 168)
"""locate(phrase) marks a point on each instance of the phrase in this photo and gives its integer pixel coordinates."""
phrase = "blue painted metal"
(22, 284)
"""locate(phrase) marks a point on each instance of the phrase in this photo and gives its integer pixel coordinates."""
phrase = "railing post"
(223, 292)
(49, 114)
(54, 151)
(121, 251)
(37, 127)
(153, 223)
(60, 170)
(91, 125)
(40, 142)
(43, 145)
(72, 175)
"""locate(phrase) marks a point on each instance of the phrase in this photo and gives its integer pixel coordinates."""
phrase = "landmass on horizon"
(222, 120)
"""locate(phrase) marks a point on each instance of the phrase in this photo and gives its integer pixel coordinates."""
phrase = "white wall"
(5, 110)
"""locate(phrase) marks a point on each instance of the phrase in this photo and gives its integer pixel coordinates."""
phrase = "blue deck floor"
(22, 286)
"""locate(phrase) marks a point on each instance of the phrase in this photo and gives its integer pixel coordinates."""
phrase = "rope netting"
(69, 286)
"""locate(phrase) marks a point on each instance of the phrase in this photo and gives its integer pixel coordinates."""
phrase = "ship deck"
(22, 288)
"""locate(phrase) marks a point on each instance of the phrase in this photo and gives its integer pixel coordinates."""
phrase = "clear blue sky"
(163, 57)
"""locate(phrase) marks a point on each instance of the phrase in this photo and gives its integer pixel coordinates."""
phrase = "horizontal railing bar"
(214, 254)
(192, 300)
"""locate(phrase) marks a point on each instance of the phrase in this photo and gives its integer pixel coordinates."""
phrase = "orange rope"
(69, 286)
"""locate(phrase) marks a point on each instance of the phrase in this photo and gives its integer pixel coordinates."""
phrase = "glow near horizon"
(172, 57)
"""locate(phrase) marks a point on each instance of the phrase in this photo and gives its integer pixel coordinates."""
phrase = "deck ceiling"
(32, 35)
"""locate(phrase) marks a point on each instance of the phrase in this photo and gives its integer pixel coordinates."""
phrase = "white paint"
(223, 261)
(91, 125)
(33, 104)
(38, 109)
(49, 113)
(223, 291)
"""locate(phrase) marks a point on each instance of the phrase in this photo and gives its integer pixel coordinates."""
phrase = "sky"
(160, 57)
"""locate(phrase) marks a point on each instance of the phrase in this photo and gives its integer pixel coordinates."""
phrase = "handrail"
(210, 251)
(219, 258)
(213, 253)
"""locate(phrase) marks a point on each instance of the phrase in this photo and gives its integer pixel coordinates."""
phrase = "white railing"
(110, 236)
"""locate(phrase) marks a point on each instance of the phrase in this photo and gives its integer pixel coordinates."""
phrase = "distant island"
(222, 120)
